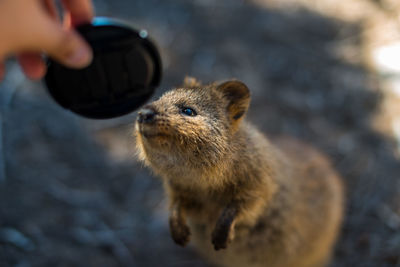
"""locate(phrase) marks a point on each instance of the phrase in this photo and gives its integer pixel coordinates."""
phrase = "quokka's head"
(193, 123)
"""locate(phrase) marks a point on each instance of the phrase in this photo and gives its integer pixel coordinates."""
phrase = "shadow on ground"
(72, 194)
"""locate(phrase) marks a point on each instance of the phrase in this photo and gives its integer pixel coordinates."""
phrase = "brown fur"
(229, 187)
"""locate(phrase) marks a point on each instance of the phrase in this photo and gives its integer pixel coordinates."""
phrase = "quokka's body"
(241, 199)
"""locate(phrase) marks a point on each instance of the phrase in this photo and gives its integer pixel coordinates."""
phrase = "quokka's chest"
(201, 206)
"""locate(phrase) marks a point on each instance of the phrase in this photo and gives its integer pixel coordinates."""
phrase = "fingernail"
(80, 57)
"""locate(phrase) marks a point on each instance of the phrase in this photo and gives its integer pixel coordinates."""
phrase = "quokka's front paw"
(180, 232)
(221, 237)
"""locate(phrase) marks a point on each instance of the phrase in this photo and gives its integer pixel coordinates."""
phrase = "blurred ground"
(72, 193)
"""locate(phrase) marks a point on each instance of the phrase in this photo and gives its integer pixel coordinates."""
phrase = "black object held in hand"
(124, 73)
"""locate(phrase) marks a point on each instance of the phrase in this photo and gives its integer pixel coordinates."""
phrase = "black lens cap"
(124, 73)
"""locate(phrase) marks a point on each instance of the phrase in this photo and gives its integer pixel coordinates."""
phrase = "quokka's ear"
(238, 96)
(190, 82)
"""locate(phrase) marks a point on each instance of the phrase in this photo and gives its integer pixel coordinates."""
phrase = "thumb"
(63, 45)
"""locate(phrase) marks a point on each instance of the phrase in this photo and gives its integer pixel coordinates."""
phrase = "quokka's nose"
(146, 115)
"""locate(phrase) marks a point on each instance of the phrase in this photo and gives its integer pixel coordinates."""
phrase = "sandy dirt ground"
(73, 194)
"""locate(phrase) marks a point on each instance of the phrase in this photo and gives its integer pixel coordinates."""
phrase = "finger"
(81, 10)
(67, 20)
(2, 70)
(64, 45)
(51, 9)
(43, 34)
(32, 65)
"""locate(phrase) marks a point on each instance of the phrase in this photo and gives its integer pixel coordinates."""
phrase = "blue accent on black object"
(125, 71)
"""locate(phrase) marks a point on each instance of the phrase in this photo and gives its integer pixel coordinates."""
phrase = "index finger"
(81, 11)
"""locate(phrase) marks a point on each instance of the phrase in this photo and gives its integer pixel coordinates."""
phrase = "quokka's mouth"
(149, 131)
(149, 135)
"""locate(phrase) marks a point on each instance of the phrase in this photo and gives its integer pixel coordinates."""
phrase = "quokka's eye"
(188, 111)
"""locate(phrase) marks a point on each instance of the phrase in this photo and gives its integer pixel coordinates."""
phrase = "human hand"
(30, 28)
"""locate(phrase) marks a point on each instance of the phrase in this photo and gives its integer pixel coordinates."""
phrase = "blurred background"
(328, 72)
